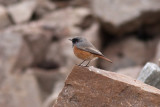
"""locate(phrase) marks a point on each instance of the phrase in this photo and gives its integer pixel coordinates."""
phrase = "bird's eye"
(75, 40)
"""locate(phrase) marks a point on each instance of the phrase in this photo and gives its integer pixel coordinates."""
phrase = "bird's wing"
(94, 51)
(90, 48)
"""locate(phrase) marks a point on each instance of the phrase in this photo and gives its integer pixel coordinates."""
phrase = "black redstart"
(84, 50)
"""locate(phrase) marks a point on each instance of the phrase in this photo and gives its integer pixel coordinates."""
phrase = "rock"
(7, 2)
(37, 39)
(150, 75)
(130, 71)
(20, 90)
(5, 21)
(52, 98)
(157, 55)
(14, 53)
(117, 17)
(44, 7)
(22, 12)
(124, 53)
(38, 43)
(65, 21)
(92, 87)
(47, 80)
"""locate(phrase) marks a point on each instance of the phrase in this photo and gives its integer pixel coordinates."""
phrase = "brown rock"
(91, 87)
(128, 52)
(5, 21)
(119, 17)
(130, 71)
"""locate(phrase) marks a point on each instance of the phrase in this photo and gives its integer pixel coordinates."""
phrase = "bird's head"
(77, 40)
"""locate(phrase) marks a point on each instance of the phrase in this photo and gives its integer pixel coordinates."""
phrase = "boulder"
(120, 17)
(5, 21)
(124, 53)
(36, 37)
(22, 12)
(56, 90)
(65, 21)
(47, 80)
(14, 54)
(20, 90)
(44, 7)
(92, 87)
(130, 71)
(150, 75)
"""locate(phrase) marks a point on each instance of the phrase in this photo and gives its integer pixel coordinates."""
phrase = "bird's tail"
(103, 57)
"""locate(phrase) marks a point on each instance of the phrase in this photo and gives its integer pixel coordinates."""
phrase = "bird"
(85, 50)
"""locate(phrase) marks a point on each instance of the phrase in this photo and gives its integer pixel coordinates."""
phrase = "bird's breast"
(82, 54)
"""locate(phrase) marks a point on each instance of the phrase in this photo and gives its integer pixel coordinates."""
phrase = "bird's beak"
(70, 39)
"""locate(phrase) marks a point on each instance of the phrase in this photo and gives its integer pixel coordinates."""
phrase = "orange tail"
(103, 57)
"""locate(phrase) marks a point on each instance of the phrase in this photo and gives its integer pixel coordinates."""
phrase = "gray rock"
(124, 16)
(4, 19)
(22, 12)
(150, 74)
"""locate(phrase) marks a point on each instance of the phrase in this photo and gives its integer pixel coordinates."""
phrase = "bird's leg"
(88, 63)
(81, 63)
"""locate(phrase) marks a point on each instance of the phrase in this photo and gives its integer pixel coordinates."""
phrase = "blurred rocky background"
(36, 55)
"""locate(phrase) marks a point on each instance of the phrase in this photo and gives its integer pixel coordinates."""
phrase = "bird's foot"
(78, 64)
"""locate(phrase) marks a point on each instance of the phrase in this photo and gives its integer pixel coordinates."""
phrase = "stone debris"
(150, 74)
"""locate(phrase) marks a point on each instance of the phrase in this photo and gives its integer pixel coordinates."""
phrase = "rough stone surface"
(4, 19)
(150, 75)
(124, 53)
(91, 87)
(118, 16)
(22, 12)
(130, 71)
